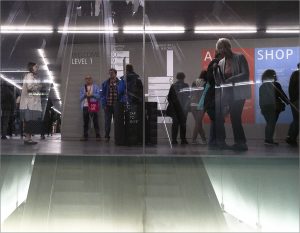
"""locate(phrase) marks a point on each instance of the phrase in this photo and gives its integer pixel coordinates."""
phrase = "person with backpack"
(128, 127)
(272, 100)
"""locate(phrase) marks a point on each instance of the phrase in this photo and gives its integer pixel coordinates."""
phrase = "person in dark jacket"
(130, 95)
(130, 88)
(178, 108)
(271, 102)
(294, 98)
(109, 97)
(211, 98)
(235, 70)
(7, 108)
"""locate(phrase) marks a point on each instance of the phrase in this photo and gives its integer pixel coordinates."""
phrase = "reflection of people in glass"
(271, 97)
(178, 108)
(109, 97)
(89, 92)
(198, 111)
(294, 98)
(30, 103)
(235, 70)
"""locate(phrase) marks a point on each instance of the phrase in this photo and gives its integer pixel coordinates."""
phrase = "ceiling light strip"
(87, 31)
(10, 81)
(45, 61)
(224, 31)
(283, 31)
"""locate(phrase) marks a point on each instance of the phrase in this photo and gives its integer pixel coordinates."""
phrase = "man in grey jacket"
(235, 78)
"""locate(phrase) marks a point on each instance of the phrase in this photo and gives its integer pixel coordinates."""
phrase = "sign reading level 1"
(82, 61)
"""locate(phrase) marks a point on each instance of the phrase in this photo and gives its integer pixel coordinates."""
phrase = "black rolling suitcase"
(119, 125)
(134, 125)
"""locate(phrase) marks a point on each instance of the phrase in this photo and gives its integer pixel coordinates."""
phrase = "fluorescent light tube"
(26, 29)
(225, 29)
(153, 29)
(10, 81)
(283, 31)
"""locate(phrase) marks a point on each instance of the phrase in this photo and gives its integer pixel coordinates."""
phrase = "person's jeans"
(109, 113)
(86, 120)
(294, 126)
(271, 117)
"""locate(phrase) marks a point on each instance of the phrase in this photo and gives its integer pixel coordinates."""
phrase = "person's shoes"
(240, 147)
(195, 142)
(43, 137)
(184, 142)
(3, 137)
(271, 143)
(84, 139)
(98, 138)
(29, 142)
(291, 142)
(174, 143)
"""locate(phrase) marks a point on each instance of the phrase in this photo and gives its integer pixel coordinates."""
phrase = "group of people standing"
(126, 90)
(222, 90)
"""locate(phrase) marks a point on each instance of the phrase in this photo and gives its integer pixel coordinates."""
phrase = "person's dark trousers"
(236, 110)
(294, 126)
(219, 114)
(179, 122)
(5, 118)
(109, 113)
(212, 131)
(86, 120)
(271, 117)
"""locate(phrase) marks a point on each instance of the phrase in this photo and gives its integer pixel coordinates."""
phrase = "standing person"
(235, 70)
(30, 103)
(90, 92)
(109, 97)
(7, 109)
(130, 95)
(211, 102)
(271, 98)
(198, 111)
(294, 98)
(178, 108)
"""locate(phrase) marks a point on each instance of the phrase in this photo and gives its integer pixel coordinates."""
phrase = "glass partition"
(122, 115)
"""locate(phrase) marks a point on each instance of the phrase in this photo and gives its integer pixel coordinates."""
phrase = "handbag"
(93, 105)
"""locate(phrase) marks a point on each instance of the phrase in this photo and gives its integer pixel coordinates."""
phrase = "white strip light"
(26, 29)
(10, 81)
(225, 29)
(14, 71)
(283, 30)
(87, 30)
(49, 73)
(153, 29)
